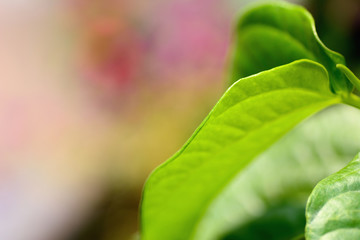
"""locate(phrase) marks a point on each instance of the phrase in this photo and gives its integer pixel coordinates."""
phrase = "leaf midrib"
(260, 94)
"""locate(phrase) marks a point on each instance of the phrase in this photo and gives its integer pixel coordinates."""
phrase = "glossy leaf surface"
(252, 114)
(286, 173)
(333, 209)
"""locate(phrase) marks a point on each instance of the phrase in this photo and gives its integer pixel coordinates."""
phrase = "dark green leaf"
(282, 222)
(274, 34)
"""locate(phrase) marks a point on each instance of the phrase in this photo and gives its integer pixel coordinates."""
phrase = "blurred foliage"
(282, 222)
(115, 217)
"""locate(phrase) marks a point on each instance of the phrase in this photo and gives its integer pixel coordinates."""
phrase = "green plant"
(209, 189)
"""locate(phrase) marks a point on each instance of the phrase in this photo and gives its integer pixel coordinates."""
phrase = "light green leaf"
(333, 209)
(274, 34)
(286, 173)
(253, 114)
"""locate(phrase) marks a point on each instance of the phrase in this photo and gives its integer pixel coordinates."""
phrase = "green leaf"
(253, 114)
(285, 173)
(333, 209)
(274, 34)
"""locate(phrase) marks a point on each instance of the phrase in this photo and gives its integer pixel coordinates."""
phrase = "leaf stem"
(350, 75)
(352, 100)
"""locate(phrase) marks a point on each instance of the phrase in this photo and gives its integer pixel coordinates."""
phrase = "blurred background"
(94, 94)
